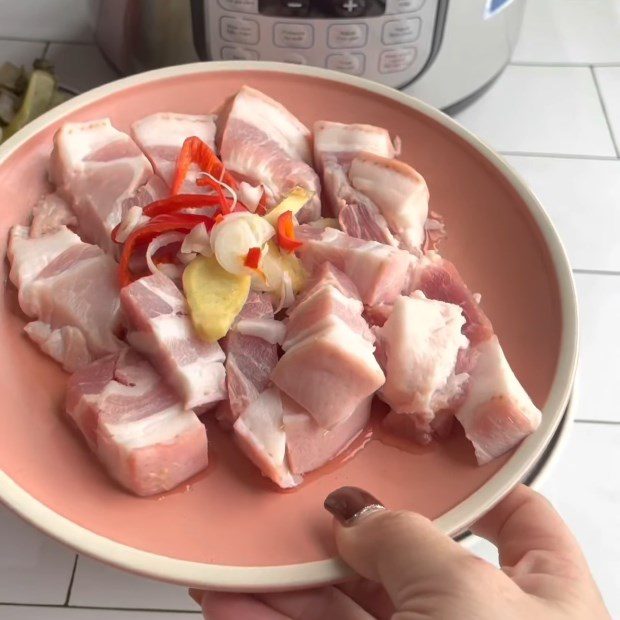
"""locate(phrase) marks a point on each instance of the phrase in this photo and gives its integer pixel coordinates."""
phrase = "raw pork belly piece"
(161, 136)
(162, 331)
(378, 271)
(497, 413)
(329, 367)
(308, 445)
(323, 308)
(249, 360)
(132, 215)
(29, 254)
(335, 146)
(95, 168)
(399, 192)
(50, 214)
(78, 288)
(439, 279)
(419, 350)
(265, 144)
(66, 345)
(323, 275)
(342, 142)
(357, 215)
(259, 432)
(135, 424)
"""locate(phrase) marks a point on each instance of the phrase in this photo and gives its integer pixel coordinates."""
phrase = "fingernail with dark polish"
(350, 504)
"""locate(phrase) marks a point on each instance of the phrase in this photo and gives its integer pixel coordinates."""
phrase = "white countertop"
(555, 114)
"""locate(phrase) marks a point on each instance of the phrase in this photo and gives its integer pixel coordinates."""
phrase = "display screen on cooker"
(322, 8)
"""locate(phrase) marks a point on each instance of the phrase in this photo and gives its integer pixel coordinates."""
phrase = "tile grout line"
(562, 65)
(559, 155)
(596, 272)
(75, 563)
(602, 422)
(605, 112)
(26, 40)
(111, 609)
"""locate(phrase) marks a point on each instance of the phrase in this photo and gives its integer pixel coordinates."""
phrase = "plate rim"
(321, 572)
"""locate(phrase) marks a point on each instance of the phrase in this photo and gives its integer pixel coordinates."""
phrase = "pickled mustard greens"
(24, 96)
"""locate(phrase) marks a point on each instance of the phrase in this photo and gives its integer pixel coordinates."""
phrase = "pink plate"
(229, 529)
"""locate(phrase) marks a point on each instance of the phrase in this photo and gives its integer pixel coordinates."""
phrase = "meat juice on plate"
(222, 267)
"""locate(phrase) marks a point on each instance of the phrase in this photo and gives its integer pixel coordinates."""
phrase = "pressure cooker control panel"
(388, 41)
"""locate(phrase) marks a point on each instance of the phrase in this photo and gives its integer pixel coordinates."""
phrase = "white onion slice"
(134, 218)
(271, 330)
(286, 293)
(233, 193)
(234, 235)
(250, 196)
(161, 242)
(197, 241)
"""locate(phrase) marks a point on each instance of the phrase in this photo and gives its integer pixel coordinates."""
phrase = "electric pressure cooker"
(442, 51)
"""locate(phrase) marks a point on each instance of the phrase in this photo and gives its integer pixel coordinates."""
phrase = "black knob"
(348, 8)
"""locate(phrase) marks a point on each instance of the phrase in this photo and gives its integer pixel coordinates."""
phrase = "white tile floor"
(555, 125)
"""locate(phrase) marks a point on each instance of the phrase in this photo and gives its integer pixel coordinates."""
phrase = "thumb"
(402, 550)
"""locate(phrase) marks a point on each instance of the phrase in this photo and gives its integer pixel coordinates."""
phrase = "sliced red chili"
(222, 201)
(286, 233)
(182, 222)
(179, 202)
(252, 259)
(195, 151)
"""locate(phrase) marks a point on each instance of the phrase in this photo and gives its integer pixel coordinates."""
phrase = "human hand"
(412, 571)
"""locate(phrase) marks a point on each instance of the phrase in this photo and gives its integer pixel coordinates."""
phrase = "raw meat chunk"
(30, 255)
(329, 373)
(50, 214)
(263, 143)
(325, 274)
(399, 192)
(161, 136)
(134, 423)
(421, 340)
(497, 413)
(162, 331)
(66, 345)
(335, 146)
(310, 446)
(439, 279)
(341, 142)
(378, 271)
(78, 288)
(419, 349)
(249, 359)
(95, 168)
(259, 433)
(323, 308)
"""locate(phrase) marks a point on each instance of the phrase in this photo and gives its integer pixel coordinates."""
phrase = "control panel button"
(293, 35)
(239, 30)
(348, 8)
(295, 59)
(347, 63)
(401, 31)
(347, 35)
(241, 6)
(393, 61)
(403, 6)
(295, 8)
(238, 53)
